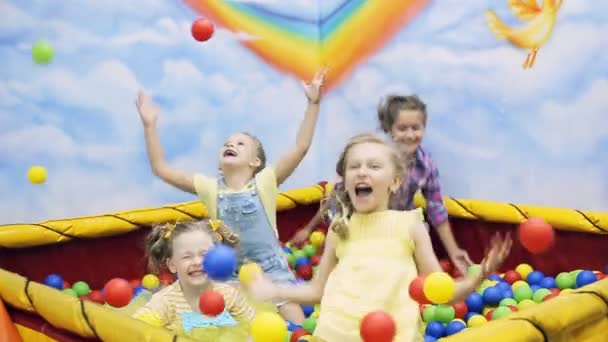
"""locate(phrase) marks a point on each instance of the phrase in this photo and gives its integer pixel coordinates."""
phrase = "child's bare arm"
(148, 112)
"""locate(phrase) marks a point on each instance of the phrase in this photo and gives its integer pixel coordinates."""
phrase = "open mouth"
(229, 153)
(362, 190)
(196, 273)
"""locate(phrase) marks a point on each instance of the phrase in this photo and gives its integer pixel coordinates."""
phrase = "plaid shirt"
(424, 176)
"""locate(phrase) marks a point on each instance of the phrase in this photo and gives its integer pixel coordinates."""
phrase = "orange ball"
(536, 235)
(118, 292)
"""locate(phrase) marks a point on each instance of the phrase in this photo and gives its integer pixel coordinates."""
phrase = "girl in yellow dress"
(372, 254)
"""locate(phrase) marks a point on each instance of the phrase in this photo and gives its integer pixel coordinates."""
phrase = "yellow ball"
(150, 281)
(487, 309)
(317, 239)
(526, 303)
(566, 291)
(36, 174)
(315, 314)
(518, 284)
(439, 287)
(476, 320)
(524, 270)
(268, 327)
(248, 272)
(305, 338)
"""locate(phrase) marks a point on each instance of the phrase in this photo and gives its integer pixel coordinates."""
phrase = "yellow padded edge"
(56, 231)
(581, 315)
(67, 312)
(28, 334)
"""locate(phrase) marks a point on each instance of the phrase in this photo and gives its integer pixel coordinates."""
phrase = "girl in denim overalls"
(244, 197)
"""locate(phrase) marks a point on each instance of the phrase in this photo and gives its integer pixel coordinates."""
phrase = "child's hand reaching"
(498, 252)
(262, 288)
(148, 110)
(314, 89)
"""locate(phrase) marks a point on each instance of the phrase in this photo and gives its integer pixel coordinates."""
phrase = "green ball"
(70, 292)
(310, 324)
(500, 312)
(291, 259)
(522, 292)
(565, 280)
(428, 314)
(540, 294)
(444, 313)
(42, 52)
(508, 301)
(299, 254)
(473, 270)
(81, 288)
(309, 250)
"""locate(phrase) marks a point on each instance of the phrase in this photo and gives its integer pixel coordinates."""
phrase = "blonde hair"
(344, 207)
(391, 105)
(261, 154)
(159, 243)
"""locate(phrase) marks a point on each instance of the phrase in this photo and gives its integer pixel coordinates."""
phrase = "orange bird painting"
(539, 23)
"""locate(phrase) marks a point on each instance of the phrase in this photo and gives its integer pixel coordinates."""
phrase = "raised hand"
(498, 252)
(148, 110)
(314, 89)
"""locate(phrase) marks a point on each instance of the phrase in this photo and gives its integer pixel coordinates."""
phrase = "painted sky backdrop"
(497, 131)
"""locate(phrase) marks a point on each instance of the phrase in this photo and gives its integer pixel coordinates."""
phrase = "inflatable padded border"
(57, 231)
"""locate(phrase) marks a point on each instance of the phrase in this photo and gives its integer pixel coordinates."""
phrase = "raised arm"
(427, 262)
(148, 112)
(290, 160)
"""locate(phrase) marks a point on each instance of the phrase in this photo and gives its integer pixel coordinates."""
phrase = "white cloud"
(33, 142)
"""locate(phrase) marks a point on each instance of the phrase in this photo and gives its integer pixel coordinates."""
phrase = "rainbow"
(342, 39)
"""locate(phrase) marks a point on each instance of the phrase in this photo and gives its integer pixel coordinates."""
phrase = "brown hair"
(261, 154)
(159, 243)
(344, 207)
(391, 105)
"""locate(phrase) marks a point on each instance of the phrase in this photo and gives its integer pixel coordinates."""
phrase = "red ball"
(118, 292)
(378, 326)
(513, 308)
(417, 292)
(446, 266)
(536, 235)
(134, 283)
(549, 296)
(96, 296)
(555, 291)
(66, 285)
(202, 29)
(511, 277)
(315, 260)
(600, 276)
(166, 279)
(460, 309)
(304, 272)
(211, 303)
(489, 315)
(296, 334)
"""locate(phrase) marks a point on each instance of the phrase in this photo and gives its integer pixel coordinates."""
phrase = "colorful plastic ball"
(308, 310)
(503, 286)
(150, 281)
(460, 309)
(518, 284)
(315, 260)
(534, 288)
(167, 279)
(302, 261)
(202, 29)
(428, 313)
(492, 296)
(526, 303)
(317, 238)
(310, 324)
(291, 326)
(495, 277)
(500, 312)
(474, 302)
(549, 297)
(446, 265)
(524, 270)
(439, 287)
(54, 280)
(377, 326)
(428, 338)
(297, 334)
(536, 235)
(540, 294)
(137, 290)
(548, 283)
(535, 277)
(522, 292)
(304, 272)
(286, 250)
(508, 293)
(585, 278)
(268, 327)
(606, 269)
(211, 303)
(476, 320)
(435, 329)
(70, 292)
(291, 259)
(248, 272)
(36, 174)
(305, 338)
(309, 250)
(555, 291)
(473, 270)
(96, 296)
(118, 292)
(299, 254)
(81, 288)
(511, 277)
(416, 290)
(507, 302)
(566, 291)
(42, 52)
(444, 313)
(220, 262)
(454, 327)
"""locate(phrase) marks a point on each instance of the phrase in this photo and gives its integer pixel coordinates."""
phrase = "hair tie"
(169, 230)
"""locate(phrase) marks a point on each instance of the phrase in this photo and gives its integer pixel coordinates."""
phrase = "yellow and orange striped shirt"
(167, 305)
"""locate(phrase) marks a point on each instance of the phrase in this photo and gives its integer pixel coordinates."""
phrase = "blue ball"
(291, 326)
(454, 327)
(503, 286)
(308, 310)
(435, 329)
(474, 302)
(287, 250)
(492, 296)
(302, 261)
(428, 338)
(54, 280)
(507, 294)
(495, 277)
(585, 278)
(535, 288)
(469, 315)
(220, 262)
(606, 269)
(535, 277)
(548, 283)
(137, 290)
